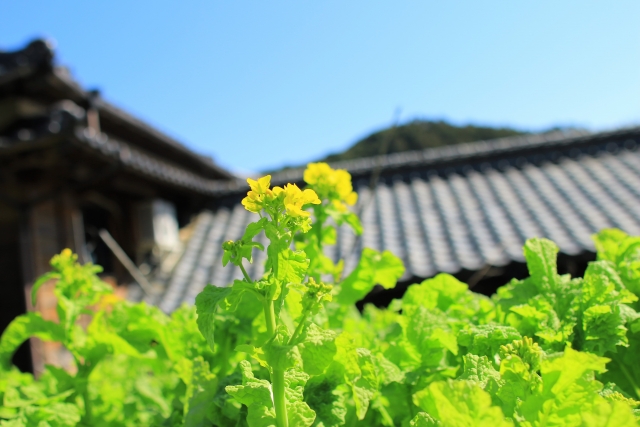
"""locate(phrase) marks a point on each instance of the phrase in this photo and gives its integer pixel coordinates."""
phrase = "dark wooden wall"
(12, 292)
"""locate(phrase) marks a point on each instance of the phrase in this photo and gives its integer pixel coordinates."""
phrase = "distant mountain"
(418, 135)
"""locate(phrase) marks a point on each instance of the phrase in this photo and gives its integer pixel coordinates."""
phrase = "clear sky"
(260, 84)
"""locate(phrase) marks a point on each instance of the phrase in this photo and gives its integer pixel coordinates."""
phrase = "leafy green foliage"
(374, 268)
(290, 348)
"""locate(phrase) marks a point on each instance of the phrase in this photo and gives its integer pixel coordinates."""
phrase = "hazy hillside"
(417, 135)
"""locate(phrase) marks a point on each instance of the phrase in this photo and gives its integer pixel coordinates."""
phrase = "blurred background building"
(77, 172)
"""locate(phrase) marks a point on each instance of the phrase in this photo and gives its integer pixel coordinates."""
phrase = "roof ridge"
(459, 151)
(141, 161)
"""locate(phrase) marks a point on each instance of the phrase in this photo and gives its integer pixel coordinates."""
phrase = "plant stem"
(87, 405)
(270, 315)
(299, 328)
(279, 399)
(82, 386)
(277, 375)
(244, 273)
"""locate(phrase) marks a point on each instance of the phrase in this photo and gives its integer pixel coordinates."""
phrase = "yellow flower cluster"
(261, 196)
(333, 184)
(295, 199)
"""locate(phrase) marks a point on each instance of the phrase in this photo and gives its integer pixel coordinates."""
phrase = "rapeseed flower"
(295, 199)
(291, 198)
(332, 184)
(258, 195)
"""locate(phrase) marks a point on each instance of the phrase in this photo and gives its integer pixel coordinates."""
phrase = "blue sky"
(261, 84)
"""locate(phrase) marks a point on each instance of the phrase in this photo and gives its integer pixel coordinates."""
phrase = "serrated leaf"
(22, 328)
(256, 395)
(292, 266)
(359, 372)
(327, 396)
(388, 269)
(430, 334)
(460, 403)
(298, 411)
(253, 229)
(485, 340)
(423, 419)
(480, 370)
(41, 281)
(374, 268)
(201, 390)
(541, 262)
(54, 415)
(207, 302)
(608, 242)
(317, 348)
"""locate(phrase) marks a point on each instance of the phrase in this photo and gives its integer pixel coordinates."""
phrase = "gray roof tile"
(465, 216)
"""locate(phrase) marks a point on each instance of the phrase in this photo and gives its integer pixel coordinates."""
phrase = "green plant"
(289, 348)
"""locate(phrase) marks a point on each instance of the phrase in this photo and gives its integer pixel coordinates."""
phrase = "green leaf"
(347, 217)
(327, 397)
(41, 281)
(440, 292)
(199, 395)
(572, 365)
(16, 422)
(255, 394)
(22, 328)
(253, 229)
(614, 414)
(541, 262)
(207, 302)
(317, 349)
(449, 295)
(100, 338)
(279, 354)
(629, 264)
(485, 340)
(607, 242)
(624, 369)
(602, 318)
(430, 334)
(424, 420)
(374, 268)
(570, 394)
(292, 266)
(481, 371)
(239, 291)
(359, 372)
(388, 269)
(518, 382)
(54, 415)
(388, 371)
(460, 403)
(624, 252)
(298, 411)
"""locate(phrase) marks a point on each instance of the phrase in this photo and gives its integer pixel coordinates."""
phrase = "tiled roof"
(31, 72)
(66, 122)
(145, 163)
(440, 215)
